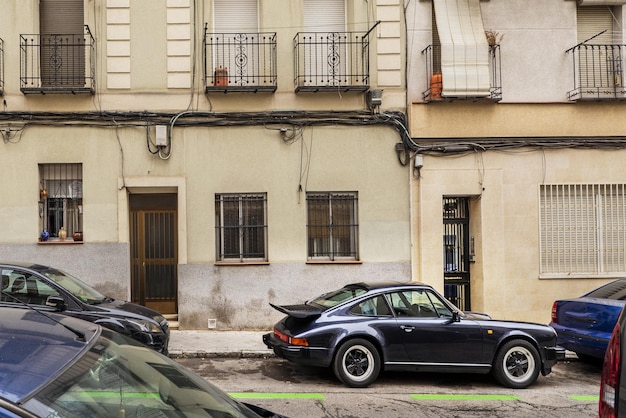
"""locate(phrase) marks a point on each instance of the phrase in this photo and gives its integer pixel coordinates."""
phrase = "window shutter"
(239, 16)
(324, 15)
(61, 17)
(593, 20)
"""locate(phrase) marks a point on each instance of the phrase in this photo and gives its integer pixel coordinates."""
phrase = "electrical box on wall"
(161, 136)
(374, 98)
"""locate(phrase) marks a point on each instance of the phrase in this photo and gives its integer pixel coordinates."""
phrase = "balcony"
(331, 61)
(434, 81)
(598, 72)
(63, 63)
(240, 62)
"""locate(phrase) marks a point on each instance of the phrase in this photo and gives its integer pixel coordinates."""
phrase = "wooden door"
(154, 251)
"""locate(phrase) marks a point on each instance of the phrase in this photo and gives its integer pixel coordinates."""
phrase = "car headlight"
(145, 325)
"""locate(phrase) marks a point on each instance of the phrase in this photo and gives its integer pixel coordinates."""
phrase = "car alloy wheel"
(517, 364)
(357, 363)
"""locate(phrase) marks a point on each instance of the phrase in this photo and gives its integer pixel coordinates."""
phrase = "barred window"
(332, 229)
(241, 227)
(583, 229)
(61, 198)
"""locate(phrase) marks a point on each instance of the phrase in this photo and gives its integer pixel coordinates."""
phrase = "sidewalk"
(235, 344)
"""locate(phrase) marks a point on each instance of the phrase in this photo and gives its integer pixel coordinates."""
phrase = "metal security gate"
(456, 251)
(154, 251)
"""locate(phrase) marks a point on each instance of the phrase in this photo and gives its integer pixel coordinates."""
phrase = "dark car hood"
(127, 309)
(302, 311)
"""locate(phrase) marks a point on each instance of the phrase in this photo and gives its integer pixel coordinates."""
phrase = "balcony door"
(236, 55)
(62, 43)
(600, 63)
(325, 51)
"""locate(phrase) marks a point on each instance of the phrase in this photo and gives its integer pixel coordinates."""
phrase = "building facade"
(516, 119)
(206, 158)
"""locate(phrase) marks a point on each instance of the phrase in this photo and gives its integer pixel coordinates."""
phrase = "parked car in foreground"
(613, 380)
(52, 365)
(364, 328)
(49, 289)
(584, 324)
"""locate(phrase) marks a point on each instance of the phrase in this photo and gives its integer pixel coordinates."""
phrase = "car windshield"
(75, 286)
(328, 300)
(118, 377)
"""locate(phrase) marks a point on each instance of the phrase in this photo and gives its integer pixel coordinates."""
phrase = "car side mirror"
(456, 317)
(56, 302)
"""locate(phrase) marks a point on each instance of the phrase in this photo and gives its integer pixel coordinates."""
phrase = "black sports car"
(363, 328)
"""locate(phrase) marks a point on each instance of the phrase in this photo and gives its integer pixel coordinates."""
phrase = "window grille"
(583, 229)
(332, 229)
(241, 227)
(61, 198)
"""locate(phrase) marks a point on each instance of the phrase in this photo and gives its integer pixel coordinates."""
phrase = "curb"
(221, 354)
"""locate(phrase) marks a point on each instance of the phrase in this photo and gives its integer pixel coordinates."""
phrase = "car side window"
(413, 304)
(376, 306)
(20, 287)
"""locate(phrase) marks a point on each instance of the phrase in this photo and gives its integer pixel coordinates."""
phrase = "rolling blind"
(464, 48)
(324, 15)
(61, 17)
(235, 16)
(591, 21)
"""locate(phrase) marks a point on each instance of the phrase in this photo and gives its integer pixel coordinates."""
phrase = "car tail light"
(290, 340)
(609, 383)
(555, 307)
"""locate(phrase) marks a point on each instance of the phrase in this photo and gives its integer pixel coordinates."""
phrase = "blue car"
(584, 324)
(363, 329)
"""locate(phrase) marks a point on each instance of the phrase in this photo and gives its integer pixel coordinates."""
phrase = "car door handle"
(407, 328)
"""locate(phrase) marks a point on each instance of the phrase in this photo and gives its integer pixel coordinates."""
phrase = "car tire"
(357, 363)
(517, 364)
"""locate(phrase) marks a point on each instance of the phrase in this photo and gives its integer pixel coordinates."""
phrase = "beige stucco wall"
(504, 189)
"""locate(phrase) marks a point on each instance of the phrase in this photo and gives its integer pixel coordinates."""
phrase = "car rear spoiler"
(299, 311)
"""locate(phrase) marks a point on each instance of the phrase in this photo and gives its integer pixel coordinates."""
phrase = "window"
(241, 227)
(376, 306)
(20, 287)
(61, 199)
(418, 304)
(583, 229)
(332, 229)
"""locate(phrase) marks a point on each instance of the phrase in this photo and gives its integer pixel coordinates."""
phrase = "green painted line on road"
(255, 395)
(451, 397)
(585, 398)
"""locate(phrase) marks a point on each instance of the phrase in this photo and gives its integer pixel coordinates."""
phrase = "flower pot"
(220, 76)
(77, 236)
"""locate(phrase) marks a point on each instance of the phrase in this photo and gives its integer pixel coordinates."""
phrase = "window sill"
(59, 242)
(334, 262)
(244, 263)
(566, 276)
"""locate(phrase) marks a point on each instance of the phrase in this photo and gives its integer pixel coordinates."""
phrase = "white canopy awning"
(464, 48)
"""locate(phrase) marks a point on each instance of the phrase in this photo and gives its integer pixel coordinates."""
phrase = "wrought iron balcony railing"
(434, 80)
(331, 61)
(63, 63)
(240, 62)
(1, 67)
(598, 72)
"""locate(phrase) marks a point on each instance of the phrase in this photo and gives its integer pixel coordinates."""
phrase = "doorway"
(456, 254)
(154, 251)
